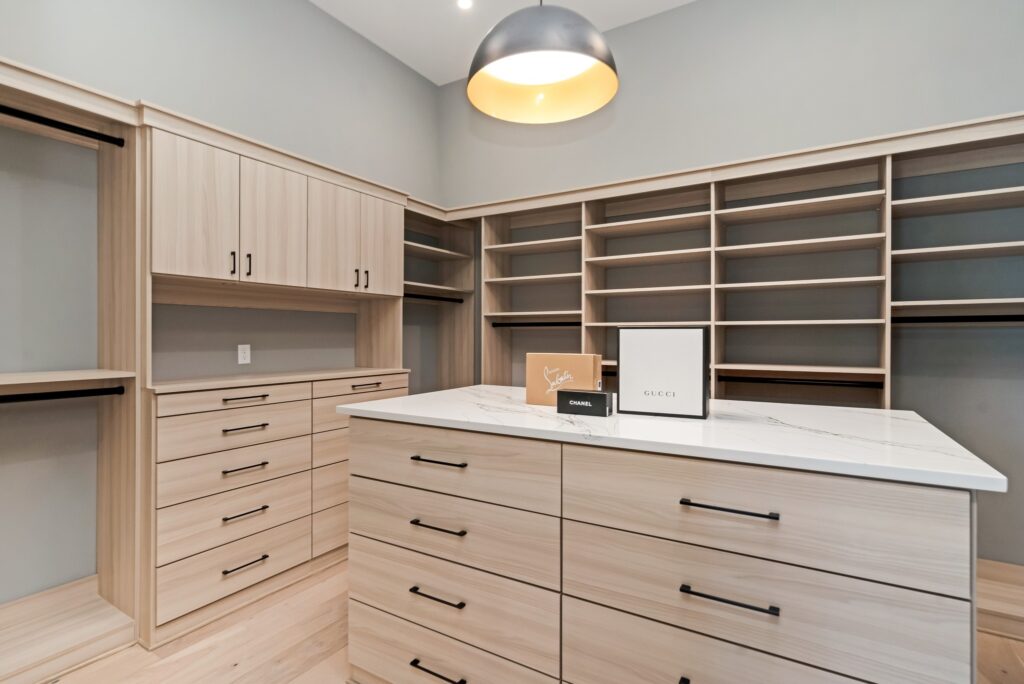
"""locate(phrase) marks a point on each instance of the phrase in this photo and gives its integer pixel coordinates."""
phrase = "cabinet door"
(273, 224)
(195, 208)
(333, 254)
(381, 247)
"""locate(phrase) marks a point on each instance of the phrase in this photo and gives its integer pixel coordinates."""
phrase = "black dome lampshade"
(542, 64)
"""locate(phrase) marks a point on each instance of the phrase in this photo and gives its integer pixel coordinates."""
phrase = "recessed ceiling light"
(465, 4)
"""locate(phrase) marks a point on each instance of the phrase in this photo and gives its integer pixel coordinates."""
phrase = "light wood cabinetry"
(333, 258)
(330, 529)
(381, 245)
(272, 238)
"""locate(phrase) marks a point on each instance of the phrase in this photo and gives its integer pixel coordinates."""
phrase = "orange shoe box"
(548, 373)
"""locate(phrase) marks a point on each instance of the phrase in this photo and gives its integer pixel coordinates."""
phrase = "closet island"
(492, 540)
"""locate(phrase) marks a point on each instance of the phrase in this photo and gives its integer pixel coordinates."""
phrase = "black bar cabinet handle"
(420, 459)
(684, 680)
(459, 533)
(234, 263)
(367, 285)
(246, 565)
(261, 397)
(261, 464)
(415, 662)
(357, 277)
(752, 514)
(248, 261)
(229, 518)
(416, 590)
(770, 610)
(257, 426)
(368, 384)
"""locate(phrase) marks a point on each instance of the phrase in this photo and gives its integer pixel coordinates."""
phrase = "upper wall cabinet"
(382, 245)
(194, 208)
(273, 224)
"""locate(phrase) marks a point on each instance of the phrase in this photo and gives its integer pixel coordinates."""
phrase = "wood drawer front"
(907, 535)
(235, 397)
(604, 646)
(382, 648)
(858, 628)
(330, 529)
(197, 581)
(330, 447)
(369, 383)
(192, 478)
(509, 542)
(509, 618)
(200, 525)
(203, 433)
(523, 473)
(326, 417)
(330, 486)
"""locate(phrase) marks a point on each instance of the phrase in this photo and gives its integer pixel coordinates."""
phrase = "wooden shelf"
(433, 253)
(545, 279)
(431, 289)
(830, 244)
(644, 324)
(976, 251)
(795, 323)
(787, 368)
(996, 305)
(800, 284)
(817, 206)
(658, 224)
(566, 244)
(638, 291)
(52, 381)
(675, 256)
(540, 315)
(251, 379)
(979, 200)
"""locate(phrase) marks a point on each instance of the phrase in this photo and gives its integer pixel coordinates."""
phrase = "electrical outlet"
(244, 354)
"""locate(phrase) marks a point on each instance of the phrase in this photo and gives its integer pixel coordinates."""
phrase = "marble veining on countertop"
(884, 444)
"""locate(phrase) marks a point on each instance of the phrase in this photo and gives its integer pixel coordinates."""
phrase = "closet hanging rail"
(536, 324)
(977, 318)
(433, 298)
(60, 125)
(61, 394)
(752, 379)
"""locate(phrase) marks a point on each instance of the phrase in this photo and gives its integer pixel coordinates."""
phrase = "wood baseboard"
(1000, 599)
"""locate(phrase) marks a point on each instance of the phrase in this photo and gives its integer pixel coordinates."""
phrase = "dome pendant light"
(542, 64)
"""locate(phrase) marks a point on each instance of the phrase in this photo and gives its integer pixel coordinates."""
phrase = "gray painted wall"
(280, 71)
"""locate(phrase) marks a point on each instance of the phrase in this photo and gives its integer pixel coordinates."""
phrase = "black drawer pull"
(257, 426)
(367, 384)
(261, 397)
(229, 518)
(420, 459)
(770, 610)
(261, 464)
(234, 263)
(684, 680)
(357, 277)
(367, 285)
(416, 590)
(766, 516)
(459, 533)
(415, 662)
(246, 565)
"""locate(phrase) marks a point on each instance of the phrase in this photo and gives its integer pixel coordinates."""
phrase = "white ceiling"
(438, 39)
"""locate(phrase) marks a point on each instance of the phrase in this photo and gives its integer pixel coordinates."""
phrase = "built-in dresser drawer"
(369, 383)
(198, 476)
(203, 524)
(509, 618)
(523, 473)
(201, 433)
(330, 447)
(330, 485)
(384, 649)
(907, 535)
(330, 529)
(235, 397)
(202, 579)
(506, 541)
(604, 646)
(863, 629)
(326, 416)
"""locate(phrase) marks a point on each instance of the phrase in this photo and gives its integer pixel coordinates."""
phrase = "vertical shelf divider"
(716, 302)
(885, 223)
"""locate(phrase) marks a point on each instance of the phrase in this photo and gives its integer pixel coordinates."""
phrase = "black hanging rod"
(61, 394)
(752, 379)
(60, 125)
(536, 324)
(433, 298)
(976, 318)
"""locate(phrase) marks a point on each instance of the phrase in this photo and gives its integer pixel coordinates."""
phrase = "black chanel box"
(585, 403)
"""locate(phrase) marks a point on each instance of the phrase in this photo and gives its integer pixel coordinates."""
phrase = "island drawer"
(201, 433)
(234, 397)
(505, 541)
(604, 646)
(369, 383)
(196, 526)
(384, 649)
(867, 630)
(499, 615)
(326, 416)
(330, 447)
(330, 529)
(523, 473)
(907, 535)
(330, 485)
(194, 582)
(198, 476)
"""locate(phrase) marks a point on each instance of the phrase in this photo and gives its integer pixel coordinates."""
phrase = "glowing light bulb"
(465, 4)
(540, 67)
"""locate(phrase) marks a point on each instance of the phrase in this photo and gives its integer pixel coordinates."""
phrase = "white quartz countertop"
(888, 445)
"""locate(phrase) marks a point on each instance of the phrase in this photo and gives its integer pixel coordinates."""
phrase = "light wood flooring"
(299, 635)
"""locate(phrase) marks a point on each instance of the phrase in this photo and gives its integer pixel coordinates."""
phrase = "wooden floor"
(299, 635)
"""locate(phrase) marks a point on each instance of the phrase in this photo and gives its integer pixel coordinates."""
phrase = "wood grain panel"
(325, 417)
(369, 383)
(272, 222)
(235, 397)
(333, 259)
(330, 447)
(201, 433)
(381, 245)
(330, 529)
(330, 486)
